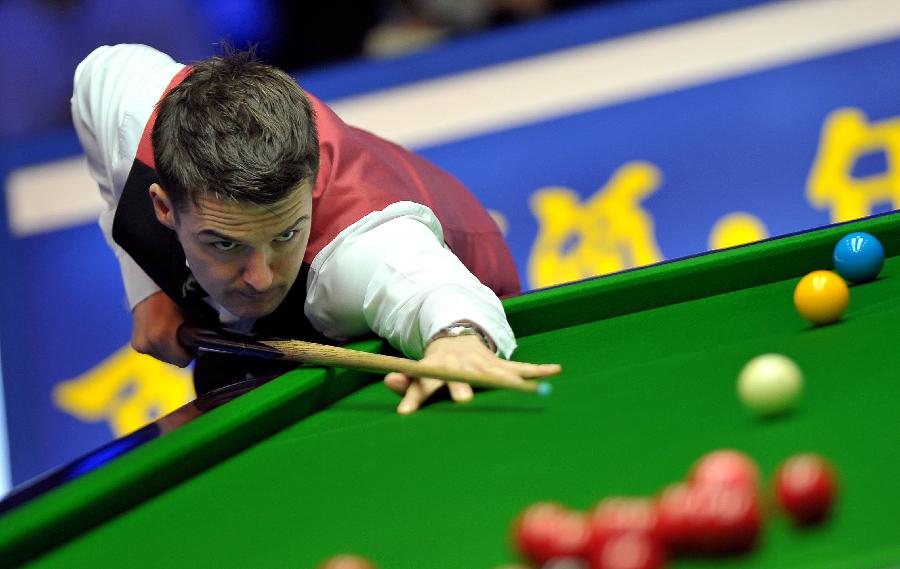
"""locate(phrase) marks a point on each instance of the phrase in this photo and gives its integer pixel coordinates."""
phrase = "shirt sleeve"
(114, 92)
(390, 273)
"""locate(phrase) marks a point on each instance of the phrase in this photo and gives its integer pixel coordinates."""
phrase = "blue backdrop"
(584, 193)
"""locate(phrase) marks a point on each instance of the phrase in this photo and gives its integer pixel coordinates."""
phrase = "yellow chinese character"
(500, 220)
(736, 229)
(846, 136)
(128, 390)
(607, 233)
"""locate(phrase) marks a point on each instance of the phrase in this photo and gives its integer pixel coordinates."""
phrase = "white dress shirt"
(389, 273)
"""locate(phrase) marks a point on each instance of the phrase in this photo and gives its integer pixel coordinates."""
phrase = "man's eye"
(224, 245)
(286, 236)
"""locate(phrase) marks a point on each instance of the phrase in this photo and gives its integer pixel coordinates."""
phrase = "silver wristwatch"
(464, 328)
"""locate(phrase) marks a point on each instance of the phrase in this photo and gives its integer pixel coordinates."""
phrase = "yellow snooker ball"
(821, 297)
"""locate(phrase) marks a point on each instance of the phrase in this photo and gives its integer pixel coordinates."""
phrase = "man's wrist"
(464, 328)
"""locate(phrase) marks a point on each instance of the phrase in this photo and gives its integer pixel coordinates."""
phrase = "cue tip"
(544, 389)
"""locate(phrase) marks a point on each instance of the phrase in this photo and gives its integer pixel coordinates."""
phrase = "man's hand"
(155, 329)
(460, 352)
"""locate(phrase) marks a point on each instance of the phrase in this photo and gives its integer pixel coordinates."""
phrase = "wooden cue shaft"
(322, 354)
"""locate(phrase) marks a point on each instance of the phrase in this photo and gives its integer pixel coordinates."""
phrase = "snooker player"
(236, 199)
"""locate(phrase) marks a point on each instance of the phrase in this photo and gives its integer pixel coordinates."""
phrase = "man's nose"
(257, 272)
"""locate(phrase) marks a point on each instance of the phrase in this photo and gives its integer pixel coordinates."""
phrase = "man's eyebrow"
(216, 234)
(221, 236)
(303, 218)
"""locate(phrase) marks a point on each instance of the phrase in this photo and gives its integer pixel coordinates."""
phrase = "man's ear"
(162, 206)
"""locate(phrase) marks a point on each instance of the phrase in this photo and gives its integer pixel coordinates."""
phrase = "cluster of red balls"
(717, 511)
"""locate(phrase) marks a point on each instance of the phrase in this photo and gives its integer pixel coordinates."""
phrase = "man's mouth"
(260, 297)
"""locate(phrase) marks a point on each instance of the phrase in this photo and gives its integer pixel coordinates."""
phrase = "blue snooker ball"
(858, 257)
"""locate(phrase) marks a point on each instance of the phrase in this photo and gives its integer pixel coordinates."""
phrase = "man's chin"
(252, 314)
(251, 310)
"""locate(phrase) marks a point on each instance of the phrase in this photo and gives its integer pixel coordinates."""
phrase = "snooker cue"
(235, 343)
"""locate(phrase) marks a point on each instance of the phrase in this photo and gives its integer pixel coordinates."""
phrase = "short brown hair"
(235, 129)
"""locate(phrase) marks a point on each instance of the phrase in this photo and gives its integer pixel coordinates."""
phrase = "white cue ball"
(770, 384)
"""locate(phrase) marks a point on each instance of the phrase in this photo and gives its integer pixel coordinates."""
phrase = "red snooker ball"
(629, 550)
(617, 515)
(728, 467)
(805, 486)
(547, 530)
(712, 519)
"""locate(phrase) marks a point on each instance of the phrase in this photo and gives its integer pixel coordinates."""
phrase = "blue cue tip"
(544, 389)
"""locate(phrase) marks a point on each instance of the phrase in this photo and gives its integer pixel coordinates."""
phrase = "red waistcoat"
(358, 173)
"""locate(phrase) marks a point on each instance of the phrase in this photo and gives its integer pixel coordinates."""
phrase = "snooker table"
(316, 462)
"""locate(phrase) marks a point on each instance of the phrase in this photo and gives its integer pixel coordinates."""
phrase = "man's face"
(246, 256)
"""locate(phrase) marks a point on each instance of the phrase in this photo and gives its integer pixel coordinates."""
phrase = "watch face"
(462, 329)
